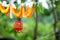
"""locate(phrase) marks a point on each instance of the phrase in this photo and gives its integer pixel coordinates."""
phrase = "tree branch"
(36, 24)
(55, 21)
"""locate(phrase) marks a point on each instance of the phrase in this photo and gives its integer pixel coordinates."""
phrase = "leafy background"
(45, 29)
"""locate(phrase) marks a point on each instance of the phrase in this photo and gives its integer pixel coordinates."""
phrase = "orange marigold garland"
(3, 10)
(28, 12)
(17, 13)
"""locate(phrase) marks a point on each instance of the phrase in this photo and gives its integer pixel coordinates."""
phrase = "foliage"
(45, 25)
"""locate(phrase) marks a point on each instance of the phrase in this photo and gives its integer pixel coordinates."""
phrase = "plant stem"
(36, 25)
(55, 21)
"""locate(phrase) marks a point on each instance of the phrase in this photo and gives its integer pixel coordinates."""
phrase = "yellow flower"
(28, 12)
(3, 10)
(17, 13)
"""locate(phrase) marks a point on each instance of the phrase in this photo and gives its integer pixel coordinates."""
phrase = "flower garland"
(3, 10)
(22, 12)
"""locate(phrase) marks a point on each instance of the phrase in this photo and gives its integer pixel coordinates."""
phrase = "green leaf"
(57, 4)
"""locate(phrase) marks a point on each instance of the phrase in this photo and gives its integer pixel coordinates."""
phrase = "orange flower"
(3, 10)
(17, 13)
(28, 12)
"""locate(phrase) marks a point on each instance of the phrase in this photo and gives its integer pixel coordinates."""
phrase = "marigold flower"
(5, 10)
(28, 12)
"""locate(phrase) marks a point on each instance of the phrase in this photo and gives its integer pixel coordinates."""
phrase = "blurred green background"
(45, 29)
